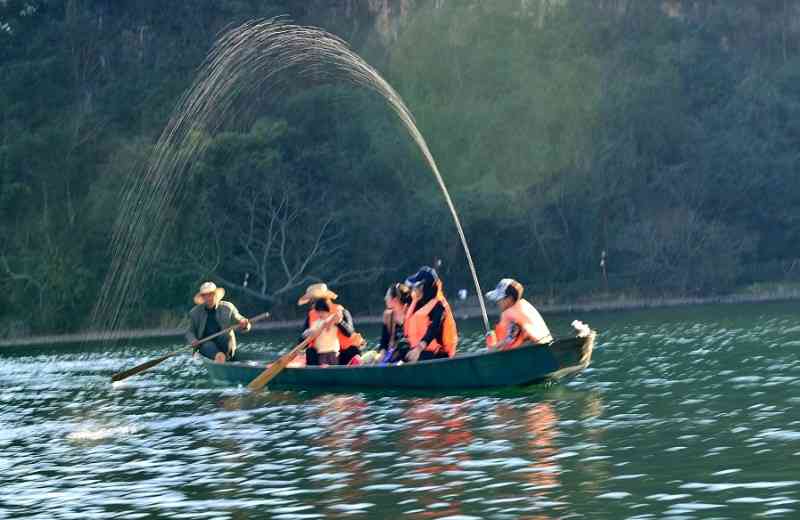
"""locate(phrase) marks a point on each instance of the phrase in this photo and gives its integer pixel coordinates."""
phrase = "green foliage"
(500, 104)
(563, 129)
(663, 140)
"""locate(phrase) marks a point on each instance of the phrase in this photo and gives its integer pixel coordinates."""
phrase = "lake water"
(685, 413)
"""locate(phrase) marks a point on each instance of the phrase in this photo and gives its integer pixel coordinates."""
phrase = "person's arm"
(514, 330)
(386, 337)
(190, 335)
(244, 323)
(435, 328)
(346, 325)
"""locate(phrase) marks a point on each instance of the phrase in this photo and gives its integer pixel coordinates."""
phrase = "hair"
(321, 305)
(430, 289)
(514, 291)
(399, 291)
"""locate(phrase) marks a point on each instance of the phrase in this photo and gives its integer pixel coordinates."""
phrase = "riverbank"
(462, 310)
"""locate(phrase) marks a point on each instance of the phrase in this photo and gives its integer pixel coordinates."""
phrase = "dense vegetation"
(669, 142)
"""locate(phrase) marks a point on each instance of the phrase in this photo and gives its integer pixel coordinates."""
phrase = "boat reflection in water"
(595, 469)
(435, 435)
(542, 428)
(433, 457)
(340, 447)
(529, 431)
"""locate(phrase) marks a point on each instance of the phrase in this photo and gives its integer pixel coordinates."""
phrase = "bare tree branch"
(284, 244)
(19, 277)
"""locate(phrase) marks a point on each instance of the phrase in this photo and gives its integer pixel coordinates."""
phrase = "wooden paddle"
(119, 376)
(277, 367)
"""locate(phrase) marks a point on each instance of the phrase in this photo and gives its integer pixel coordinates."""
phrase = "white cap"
(502, 290)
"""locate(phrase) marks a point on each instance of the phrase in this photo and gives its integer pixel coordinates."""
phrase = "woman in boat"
(394, 346)
(519, 322)
(429, 324)
(349, 340)
(326, 341)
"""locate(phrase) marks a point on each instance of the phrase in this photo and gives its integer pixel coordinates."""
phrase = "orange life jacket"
(344, 340)
(500, 333)
(418, 321)
(521, 313)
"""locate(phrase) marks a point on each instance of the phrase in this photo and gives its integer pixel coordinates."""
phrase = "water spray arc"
(247, 61)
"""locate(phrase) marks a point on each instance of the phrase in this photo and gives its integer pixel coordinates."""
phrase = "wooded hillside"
(663, 133)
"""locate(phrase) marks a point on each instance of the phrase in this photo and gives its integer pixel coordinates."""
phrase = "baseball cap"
(424, 275)
(507, 287)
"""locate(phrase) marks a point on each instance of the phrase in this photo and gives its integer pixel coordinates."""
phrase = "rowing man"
(210, 315)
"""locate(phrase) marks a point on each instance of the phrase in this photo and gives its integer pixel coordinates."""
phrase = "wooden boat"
(524, 365)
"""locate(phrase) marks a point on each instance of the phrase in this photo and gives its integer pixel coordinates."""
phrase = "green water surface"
(685, 413)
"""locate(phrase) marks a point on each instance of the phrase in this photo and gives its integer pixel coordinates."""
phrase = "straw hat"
(206, 288)
(317, 291)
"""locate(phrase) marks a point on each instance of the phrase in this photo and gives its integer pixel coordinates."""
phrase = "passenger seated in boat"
(326, 342)
(394, 346)
(429, 324)
(211, 315)
(349, 340)
(519, 322)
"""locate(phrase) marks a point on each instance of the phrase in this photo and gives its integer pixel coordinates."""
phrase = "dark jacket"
(227, 315)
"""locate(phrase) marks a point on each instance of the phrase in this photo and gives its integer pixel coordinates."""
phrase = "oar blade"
(274, 369)
(119, 376)
(277, 367)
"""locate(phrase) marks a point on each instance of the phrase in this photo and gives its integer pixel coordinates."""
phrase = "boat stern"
(573, 354)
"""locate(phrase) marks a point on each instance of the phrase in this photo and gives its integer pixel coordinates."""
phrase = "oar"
(119, 376)
(277, 367)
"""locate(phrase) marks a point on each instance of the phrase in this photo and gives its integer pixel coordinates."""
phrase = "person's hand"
(339, 316)
(308, 332)
(195, 343)
(413, 355)
(491, 339)
(245, 325)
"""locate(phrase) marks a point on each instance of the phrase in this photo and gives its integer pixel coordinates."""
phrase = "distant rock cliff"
(361, 19)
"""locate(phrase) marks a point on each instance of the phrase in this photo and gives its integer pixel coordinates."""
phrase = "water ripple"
(699, 424)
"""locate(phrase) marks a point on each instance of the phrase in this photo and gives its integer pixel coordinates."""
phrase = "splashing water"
(242, 65)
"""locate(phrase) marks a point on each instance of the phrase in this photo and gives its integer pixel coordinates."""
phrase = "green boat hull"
(525, 365)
